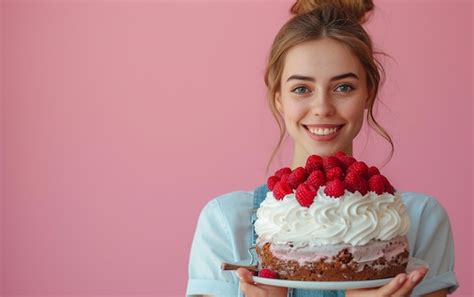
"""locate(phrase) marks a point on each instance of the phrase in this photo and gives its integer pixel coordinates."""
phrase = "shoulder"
(228, 218)
(419, 205)
(429, 222)
(222, 216)
(234, 198)
(426, 214)
(228, 203)
(419, 199)
(228, 210)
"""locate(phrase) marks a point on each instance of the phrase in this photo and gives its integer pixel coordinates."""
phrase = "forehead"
(323, 58)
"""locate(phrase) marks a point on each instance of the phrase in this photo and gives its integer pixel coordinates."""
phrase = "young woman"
(322, 77)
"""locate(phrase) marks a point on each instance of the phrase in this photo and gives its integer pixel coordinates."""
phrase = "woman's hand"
(250, 289)
(400, 286)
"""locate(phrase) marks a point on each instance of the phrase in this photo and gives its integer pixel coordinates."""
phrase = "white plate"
(413, 263)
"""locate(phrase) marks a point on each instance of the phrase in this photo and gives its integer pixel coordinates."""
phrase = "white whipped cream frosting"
(352, 219)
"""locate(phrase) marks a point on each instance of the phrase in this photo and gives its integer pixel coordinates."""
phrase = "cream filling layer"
(363, 255)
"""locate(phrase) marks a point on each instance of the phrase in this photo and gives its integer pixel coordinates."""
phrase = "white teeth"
(322, 131)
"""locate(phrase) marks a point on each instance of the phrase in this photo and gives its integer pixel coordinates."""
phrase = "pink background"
(120, 120)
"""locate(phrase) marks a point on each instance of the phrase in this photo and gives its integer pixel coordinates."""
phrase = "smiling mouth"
(323, 131)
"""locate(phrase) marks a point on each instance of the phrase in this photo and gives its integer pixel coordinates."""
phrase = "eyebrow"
(301, 77)
(309, 78)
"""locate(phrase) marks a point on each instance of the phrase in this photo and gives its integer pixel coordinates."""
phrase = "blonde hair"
(340, 20)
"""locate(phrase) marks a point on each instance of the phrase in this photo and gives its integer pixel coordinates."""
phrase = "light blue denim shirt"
(223, 234)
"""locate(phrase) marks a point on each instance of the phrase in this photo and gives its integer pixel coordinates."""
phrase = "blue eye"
(301, 90)
(344, 88)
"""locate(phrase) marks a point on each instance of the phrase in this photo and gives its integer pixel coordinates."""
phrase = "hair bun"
(357, 8)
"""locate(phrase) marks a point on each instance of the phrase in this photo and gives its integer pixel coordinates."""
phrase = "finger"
(360, 292)
(273, 289)
(422, 273)
(251, 290)
(413, 279)
(392, 286)
(245, 275)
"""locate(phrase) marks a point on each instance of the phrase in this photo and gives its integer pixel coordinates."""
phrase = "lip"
(323, 138)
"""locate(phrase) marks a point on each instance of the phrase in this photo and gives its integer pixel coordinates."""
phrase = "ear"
(278, 104)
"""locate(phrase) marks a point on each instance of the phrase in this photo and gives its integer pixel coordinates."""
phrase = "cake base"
(375, 260)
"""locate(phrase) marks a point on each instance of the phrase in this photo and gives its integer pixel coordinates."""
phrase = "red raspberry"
(297, 177)
(330, 162)
(362, 187)
(265, 272)
(387, 186)
(335, 173)
(354, 182)
(373, 171)
(351, 179)
(347, 161)
(271, 181)
(360, 168)
(316, 179)
(340, 154)
(282, 171)
(284, 178)
(334, 188)
(314, 162)
(376, 184)
(281, 189)
(305, 194)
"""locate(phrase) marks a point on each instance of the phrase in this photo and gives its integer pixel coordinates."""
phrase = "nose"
(321, 104)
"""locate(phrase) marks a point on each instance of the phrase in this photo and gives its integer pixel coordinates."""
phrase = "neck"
(299, 157)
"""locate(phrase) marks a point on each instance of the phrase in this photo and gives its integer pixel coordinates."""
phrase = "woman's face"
(322, 97)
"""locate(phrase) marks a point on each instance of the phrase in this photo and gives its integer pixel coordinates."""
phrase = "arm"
(432, 241)
(212, 244)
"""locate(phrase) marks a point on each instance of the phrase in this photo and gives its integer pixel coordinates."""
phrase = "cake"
(336, 219)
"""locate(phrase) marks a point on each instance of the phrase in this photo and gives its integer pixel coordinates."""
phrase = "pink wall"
(120, 120)
(1, 149)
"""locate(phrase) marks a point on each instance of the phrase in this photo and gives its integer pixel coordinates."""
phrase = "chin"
(322, 151)
(327, 150)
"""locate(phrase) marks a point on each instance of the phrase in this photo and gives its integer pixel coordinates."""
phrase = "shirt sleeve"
(211, 246)
(434, 244)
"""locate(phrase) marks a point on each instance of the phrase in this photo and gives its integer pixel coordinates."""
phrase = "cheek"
(294, 110)
(356, 116)
(353, 113)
